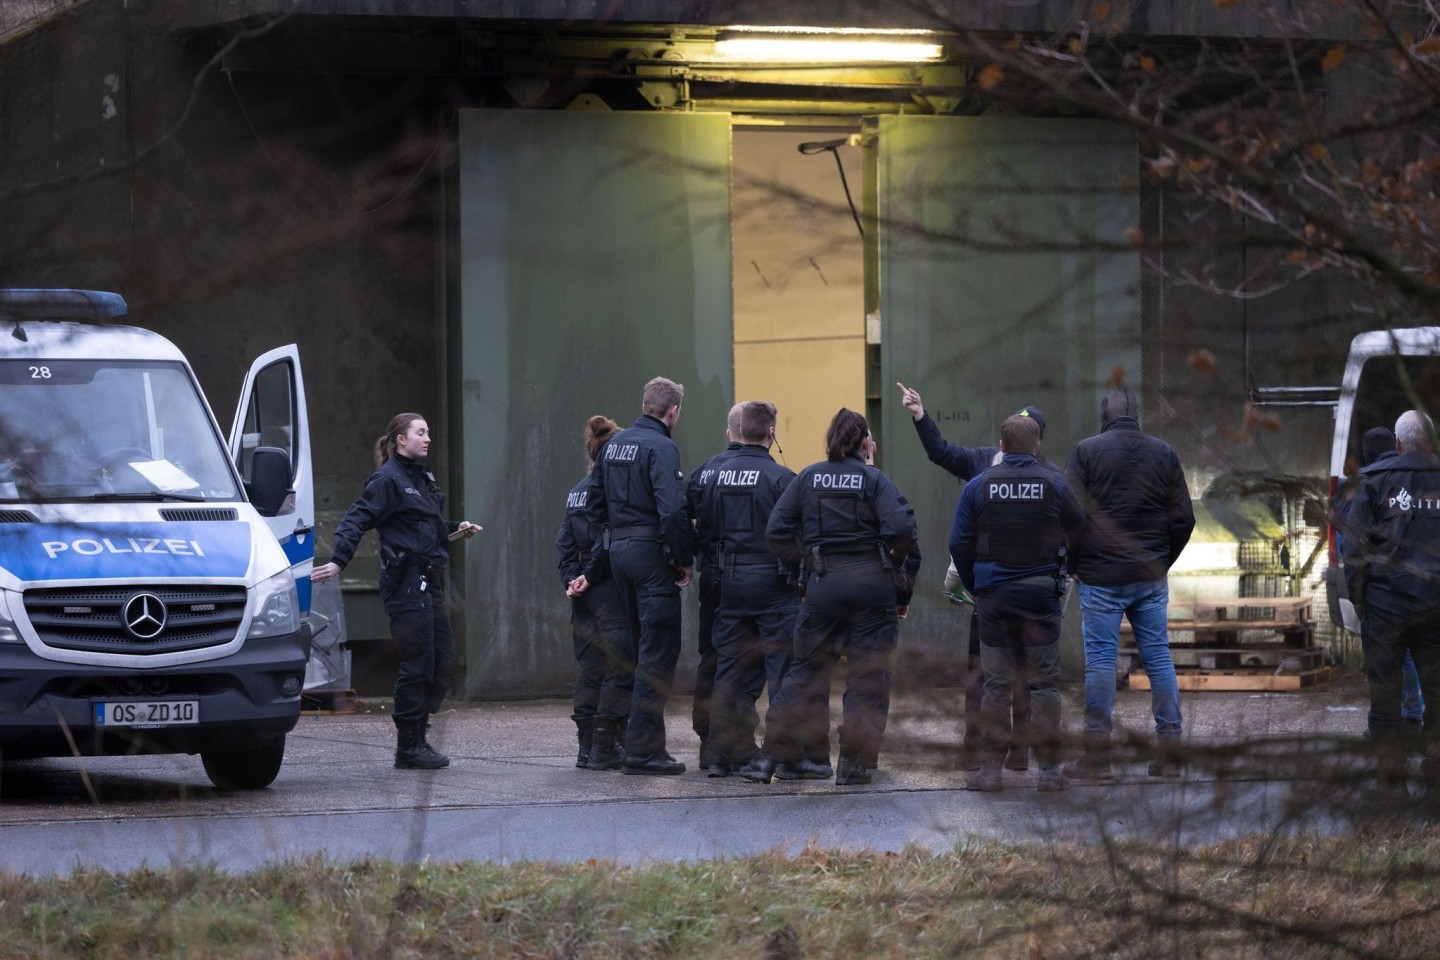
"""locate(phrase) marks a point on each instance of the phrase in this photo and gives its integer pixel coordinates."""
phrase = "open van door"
(272, 413)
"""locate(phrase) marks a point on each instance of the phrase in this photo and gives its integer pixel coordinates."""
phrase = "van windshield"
(1389, 385)
(102, 429)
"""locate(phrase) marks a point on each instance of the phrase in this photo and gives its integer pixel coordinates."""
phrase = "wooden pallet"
(1262, 680)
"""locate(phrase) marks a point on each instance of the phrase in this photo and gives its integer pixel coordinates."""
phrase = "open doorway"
(798, 280)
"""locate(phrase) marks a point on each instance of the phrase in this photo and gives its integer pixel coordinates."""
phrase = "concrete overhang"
(1254, 19)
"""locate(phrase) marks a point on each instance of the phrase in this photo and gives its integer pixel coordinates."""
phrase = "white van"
(148, 571)
(1387, 373)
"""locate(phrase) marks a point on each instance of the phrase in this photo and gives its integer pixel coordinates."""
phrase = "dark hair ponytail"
(847, 433)
(598, 429)
(385, 445)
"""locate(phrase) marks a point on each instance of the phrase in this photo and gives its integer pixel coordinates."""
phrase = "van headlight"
(277, 607)
(8, 631)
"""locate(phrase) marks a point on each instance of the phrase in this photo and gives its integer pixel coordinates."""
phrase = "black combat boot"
(804, 770)
(851, 772)
(413, 753)
(585, 736)
(605, 752)
(759, 770)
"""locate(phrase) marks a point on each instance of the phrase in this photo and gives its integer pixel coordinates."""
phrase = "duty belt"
(729, 561)
(816, 556)
(635, 532)
(742, 559)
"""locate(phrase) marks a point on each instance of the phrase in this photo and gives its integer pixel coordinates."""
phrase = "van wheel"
(253, 768)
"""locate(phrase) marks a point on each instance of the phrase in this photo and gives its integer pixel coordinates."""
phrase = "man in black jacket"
(1392, 570)
(1138, 517)
(637, 490)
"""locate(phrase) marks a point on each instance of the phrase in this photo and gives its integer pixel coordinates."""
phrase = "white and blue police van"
(154, 579)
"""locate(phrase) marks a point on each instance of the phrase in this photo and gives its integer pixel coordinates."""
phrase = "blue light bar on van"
(45, 304)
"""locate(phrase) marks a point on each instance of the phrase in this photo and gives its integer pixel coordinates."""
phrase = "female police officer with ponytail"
(852, 531)
(604, 647)
(404, 505)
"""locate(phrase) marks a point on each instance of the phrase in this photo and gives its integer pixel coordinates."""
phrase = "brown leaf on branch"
(1333, 58)
(1101, 12)
(1203, 361)
(1147, 63)
(1256, 419)
(1136, 236)
(990, 76)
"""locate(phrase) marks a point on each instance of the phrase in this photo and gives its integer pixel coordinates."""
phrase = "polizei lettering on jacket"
(622, 451)
(576, 500)
(1016, 490)
(839, 481)
(1406, 501)
(738, 478)
(87, 547)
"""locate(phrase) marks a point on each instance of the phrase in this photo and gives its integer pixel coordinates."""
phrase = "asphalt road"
(512, 792)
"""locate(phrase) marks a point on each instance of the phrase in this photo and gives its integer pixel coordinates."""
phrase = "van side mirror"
(269, 482)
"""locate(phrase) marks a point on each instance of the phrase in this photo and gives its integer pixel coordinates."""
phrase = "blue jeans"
(1412, 702)
(1144, 605)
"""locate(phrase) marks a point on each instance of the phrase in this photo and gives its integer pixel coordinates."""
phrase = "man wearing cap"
(964, 463)
(1138, 517)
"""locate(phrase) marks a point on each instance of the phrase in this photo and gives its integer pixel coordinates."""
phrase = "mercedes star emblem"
(144, 616)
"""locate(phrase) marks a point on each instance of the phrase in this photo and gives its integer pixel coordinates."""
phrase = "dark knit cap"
(1376, 443)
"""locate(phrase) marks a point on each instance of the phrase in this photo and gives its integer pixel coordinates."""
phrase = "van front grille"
(162, 619)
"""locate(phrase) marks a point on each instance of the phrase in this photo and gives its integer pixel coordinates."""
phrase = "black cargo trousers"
(652, 603)
(849, 609)
(709, 591)
(413, 593)
(604, 652)
(754, 637)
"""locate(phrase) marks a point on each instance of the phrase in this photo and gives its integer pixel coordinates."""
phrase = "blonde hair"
(660, 395)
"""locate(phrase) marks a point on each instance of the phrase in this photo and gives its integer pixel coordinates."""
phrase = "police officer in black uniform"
(709, 577)
(604, 648)
(759, 596)
(1392, 568)
(404, 505)
(638, 491)
(853, 532)
(964, 463)
(1008, 542)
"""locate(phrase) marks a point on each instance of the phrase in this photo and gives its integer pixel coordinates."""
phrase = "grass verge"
(1368, 894)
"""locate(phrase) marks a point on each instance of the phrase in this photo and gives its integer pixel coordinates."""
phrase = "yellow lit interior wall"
(799, 285)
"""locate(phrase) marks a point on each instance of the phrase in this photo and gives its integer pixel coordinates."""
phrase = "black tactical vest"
(1018, 524)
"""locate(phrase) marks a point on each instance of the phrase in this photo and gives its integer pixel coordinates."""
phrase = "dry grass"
(1370, 894)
